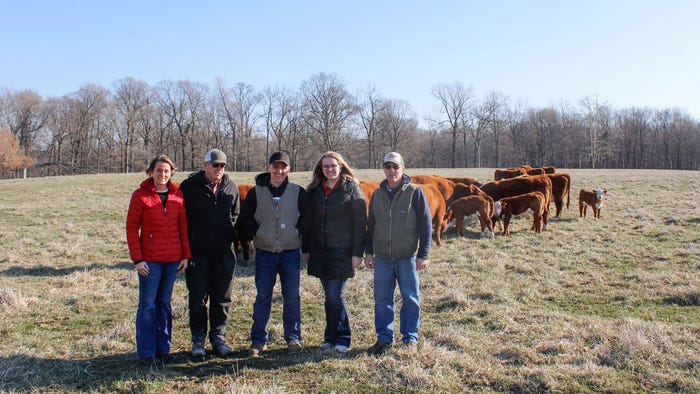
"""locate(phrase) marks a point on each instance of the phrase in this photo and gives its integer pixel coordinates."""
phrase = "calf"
(533, 202)
(243, 241)
(591, 198)
(561, 185)
(480, 206)
(521, 185)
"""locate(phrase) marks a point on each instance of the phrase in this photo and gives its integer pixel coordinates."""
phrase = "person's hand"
(182, 266)
(356, 262)
(421, 264)
(142, 268)
(369, 261)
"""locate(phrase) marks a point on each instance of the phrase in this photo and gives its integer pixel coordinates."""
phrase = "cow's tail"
(568, 192)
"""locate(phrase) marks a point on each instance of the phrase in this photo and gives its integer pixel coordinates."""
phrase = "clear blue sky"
(627, 53)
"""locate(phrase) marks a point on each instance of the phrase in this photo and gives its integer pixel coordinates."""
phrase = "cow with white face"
(591, 198)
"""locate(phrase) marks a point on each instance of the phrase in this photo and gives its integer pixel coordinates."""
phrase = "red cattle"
(549, 170)
(521, 185)
(535, 171)
(244, 240)
(508, 173)
(472, 205)
(561, 185)
(444, 185)
(368, 188)
(591, 198)
(465, 180)
(517, 205)
(436, 203)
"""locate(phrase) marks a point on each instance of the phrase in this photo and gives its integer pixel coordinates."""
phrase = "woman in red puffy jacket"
(156, 231)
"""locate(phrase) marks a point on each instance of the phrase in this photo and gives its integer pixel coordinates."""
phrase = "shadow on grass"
(106, 373)
(242, 269)
(51, 271)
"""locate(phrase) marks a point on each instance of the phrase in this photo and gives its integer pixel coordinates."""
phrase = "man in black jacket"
(212, 204)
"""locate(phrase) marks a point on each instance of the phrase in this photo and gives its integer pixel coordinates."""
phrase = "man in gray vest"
(276, 212)
(398, 241)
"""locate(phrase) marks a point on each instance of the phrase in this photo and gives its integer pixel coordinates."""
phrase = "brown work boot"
(379, 348)
(256, 349)
(294, 347)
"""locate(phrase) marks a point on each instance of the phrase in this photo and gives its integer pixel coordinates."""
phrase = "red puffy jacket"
(156, 233)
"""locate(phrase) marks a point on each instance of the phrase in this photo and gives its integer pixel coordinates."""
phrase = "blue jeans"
(267, 266)
(154, 319)
(387, 273)
(337, 322)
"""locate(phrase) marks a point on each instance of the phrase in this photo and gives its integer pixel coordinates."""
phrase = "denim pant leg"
(384, 286)
(197, 276)
(164, 315)
(146, 312)
(289, 268)
(220, 284)
(337, 321)
(409, 286)
(265, 278)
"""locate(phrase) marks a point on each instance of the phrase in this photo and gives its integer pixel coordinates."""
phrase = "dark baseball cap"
(281, 155)
(215, 156)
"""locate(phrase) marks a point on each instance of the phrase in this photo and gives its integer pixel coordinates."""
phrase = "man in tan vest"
(276, 212)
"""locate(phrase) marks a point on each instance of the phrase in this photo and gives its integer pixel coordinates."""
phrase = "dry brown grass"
(609, 305)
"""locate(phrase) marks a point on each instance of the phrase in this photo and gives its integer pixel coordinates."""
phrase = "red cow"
(508, 173)
(561, 185)
(533, 202)
(244, 240)
(472, 205)
(591, 198)
(444, 185)
(466, 180)
(521, 185)
(549, 170)
(436, 203)
(368, 188)
(535, 171)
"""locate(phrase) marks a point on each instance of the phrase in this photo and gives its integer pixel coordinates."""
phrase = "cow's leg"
(506, 224)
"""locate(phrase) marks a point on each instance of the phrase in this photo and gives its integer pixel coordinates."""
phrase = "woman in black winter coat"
(335, 240)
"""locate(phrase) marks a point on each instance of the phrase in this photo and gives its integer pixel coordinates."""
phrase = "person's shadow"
(22, 372)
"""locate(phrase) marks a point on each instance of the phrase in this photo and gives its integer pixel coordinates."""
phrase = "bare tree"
(280, 108)
(131, 100)
(396, 122)
(370, 111)
(327, 108)
(454, 100)
(23, 113)
(238, 106)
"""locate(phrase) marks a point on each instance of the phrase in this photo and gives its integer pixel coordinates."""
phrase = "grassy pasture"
(608, 305)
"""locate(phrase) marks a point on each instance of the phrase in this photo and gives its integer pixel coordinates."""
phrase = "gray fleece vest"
(396, 225)
(277, 219)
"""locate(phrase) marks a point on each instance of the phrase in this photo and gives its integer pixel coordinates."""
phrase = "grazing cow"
(368, 188)
(591, 198)
(243, 240)
(444, 185)
(508, 173)
(472, 205)
(462, 190)
(533, 202)
(466, 180)
(436, 203)
(535, 171)
(561, 185)
(521, 185)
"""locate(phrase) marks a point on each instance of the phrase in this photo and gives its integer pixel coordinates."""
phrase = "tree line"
(118, 129)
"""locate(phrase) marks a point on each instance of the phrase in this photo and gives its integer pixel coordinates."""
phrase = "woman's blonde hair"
(318, 177)
(162, 158)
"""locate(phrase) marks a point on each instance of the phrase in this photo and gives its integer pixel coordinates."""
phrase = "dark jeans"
(154, 319)
(337, 322)
(210, 279)
(267, 266)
